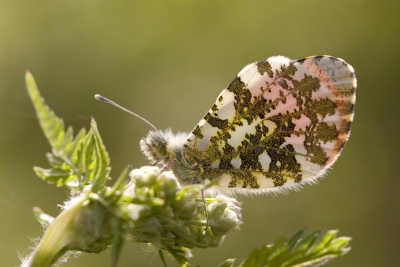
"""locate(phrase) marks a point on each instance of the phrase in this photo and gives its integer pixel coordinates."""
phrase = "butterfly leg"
(161, 160)
(205, 209)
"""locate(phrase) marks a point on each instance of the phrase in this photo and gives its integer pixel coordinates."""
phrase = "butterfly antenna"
(106, 100)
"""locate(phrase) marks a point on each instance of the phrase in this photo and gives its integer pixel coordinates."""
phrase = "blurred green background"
(168, 61)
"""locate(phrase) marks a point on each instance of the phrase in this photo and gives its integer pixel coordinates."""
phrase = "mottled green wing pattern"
(279, 124)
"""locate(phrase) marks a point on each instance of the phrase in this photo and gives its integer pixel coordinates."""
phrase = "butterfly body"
(279, 124)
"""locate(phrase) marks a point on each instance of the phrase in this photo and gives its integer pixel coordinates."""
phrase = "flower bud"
(166, 185)
(145, 176)
(224, 215)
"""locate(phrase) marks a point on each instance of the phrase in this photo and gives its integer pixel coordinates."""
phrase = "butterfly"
(279, 124)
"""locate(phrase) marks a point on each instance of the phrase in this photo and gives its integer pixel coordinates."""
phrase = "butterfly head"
(164, 147)
(155, 146)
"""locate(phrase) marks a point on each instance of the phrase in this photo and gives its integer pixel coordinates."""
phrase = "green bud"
(187, 211)
(145, 176)
(166, 211)
(216, 210)
(166, 185)
(214, 240)
(224, 215)
(168, 239)
(185, 204)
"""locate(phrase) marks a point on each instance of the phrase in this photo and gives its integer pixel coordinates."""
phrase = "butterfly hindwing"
(278, 124)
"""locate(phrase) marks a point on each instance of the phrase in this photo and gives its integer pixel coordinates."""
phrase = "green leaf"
(313, 250)
(96, 160)
(75, 147)
(52, 126)
(57, 162)
(76, 162)
(55, 176)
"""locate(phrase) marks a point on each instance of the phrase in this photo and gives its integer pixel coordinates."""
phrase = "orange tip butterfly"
(279, 124)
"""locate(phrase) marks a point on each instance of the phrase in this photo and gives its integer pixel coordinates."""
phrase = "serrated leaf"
(96, 159)
(57, 162)
(76, 162)
(76, 146)
(52, 126)
(67, 142)
(53, 176)
(313, 250)
(300, 253)
(294, 239)
(58, 177)
(257, 257)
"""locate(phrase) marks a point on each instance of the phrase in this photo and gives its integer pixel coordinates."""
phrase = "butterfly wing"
(278, 124)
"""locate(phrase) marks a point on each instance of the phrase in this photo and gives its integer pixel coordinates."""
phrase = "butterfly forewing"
(278, 124)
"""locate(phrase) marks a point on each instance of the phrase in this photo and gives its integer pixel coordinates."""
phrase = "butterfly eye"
(162, 148)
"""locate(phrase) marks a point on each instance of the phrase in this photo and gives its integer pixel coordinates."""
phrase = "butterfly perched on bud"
(279, 124)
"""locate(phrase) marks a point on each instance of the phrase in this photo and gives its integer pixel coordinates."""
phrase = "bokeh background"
(168, 61)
